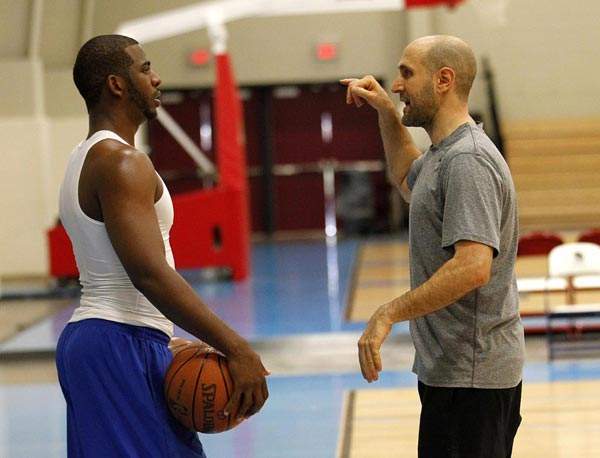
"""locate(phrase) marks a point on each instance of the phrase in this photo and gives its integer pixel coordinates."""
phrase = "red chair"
(590, 236)
(538, 243)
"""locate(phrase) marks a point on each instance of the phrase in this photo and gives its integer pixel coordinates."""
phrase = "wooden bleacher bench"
(555, 167)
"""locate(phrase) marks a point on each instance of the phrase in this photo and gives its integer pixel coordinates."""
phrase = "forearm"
(176, 299)
(451, 282)
(400, 150)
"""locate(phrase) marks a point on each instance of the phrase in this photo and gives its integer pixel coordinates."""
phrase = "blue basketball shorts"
(111, 375)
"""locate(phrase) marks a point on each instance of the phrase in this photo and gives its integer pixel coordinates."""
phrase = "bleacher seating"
(555, 167)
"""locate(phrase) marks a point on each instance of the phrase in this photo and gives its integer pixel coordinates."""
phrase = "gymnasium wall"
(22, 201)
(14, 30)
(544, 60)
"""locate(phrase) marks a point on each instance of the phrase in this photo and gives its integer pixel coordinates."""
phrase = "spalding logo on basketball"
(198, 387)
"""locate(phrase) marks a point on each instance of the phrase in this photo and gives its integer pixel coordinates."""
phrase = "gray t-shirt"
(462, 190)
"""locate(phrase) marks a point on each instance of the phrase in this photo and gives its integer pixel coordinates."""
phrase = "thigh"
(181, 442)
(436, 432)
(74, 448)
(487, 421)
(113, 387)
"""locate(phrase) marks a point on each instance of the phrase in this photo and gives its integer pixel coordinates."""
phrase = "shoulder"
(116, 158)
(473, 149)
(120, 165)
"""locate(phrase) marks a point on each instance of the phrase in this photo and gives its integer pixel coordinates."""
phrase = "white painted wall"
(22, 203)
(29, 184)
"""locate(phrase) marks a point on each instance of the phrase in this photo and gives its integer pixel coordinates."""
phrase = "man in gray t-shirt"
(462, 190)
(463, 302)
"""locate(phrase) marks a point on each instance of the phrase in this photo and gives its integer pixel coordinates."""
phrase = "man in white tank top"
(112, 356)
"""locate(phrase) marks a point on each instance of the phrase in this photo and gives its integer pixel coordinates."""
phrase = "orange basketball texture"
(197, 388)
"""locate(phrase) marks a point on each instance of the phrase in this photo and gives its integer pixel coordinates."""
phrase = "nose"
(398, 85)
(156, 81)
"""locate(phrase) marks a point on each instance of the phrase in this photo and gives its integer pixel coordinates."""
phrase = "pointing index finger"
(347, 81)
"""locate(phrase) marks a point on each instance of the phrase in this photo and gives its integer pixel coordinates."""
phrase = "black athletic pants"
(468, 422)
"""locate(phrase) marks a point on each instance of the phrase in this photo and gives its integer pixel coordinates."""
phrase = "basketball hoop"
(492, 13)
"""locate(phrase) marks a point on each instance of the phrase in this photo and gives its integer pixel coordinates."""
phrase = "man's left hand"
(369, 344)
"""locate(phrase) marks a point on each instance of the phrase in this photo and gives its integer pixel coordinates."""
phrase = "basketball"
(197, 388)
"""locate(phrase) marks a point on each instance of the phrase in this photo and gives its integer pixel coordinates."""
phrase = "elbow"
(396, 176)
(481, 275)
(146, 279)
(405, 194)
(394, 180)
(143, 283)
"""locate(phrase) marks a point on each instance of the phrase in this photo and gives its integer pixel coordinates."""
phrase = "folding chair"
(579, 265)
(571, 260)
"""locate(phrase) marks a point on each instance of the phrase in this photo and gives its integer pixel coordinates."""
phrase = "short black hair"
(99, 57)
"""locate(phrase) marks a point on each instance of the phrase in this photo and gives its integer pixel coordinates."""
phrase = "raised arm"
(400, 150)
(126, 188)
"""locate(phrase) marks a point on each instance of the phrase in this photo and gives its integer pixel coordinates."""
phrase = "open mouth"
(406, 105)
(157, 99)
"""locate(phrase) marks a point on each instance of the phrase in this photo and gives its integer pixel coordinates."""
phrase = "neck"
(447, 120)
(115, 122)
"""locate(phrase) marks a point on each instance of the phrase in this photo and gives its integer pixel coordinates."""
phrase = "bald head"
(438, 51)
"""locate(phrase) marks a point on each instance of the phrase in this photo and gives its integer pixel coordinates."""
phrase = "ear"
(115, 85)
(445, 80)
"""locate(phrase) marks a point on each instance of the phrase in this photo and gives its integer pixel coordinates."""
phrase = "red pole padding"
(231, 155)
(60, 251)
(207, 231)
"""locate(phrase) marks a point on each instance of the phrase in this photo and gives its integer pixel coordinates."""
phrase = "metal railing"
(326, 167)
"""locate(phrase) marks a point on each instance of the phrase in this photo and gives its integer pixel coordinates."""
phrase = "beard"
(422, 109)
(143, 104)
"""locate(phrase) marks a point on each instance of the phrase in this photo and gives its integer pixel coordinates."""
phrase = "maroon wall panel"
(297, 136)
(252, 129)
(189, 109)
(299, 202)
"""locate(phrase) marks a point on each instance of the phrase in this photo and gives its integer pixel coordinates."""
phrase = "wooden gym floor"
(381, 273)
(560, 419)
(292, 310)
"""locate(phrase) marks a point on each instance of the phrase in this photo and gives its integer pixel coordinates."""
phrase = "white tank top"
(107, 291)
